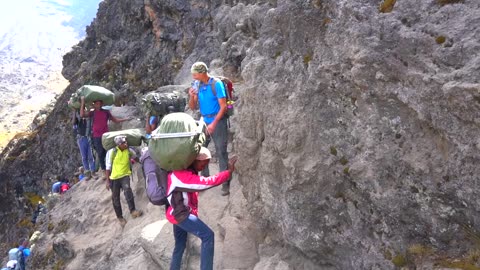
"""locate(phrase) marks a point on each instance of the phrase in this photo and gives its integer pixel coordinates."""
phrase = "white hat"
(11, 264)
(204, 154)
(120, 139)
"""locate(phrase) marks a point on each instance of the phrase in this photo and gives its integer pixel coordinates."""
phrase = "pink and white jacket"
(183, 187)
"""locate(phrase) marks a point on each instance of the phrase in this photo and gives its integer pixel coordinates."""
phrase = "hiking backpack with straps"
(12, 254)
(161, 104)
(156, 180)
(228, 85)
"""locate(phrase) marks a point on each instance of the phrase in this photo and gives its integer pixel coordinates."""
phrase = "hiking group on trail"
(174, 158)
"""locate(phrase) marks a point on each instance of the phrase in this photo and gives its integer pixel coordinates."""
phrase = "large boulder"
(158, 241)
(62, 247)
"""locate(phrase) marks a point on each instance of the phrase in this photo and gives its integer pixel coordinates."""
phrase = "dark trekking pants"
(101, 152)
(220, 139)
(116, 186)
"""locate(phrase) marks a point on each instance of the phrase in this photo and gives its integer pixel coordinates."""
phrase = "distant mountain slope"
(34, 36)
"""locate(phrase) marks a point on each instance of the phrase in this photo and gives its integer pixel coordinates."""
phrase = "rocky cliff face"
(356, 128)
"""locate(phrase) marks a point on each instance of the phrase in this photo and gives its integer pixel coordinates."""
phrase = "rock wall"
(358, 130)
(357, 122)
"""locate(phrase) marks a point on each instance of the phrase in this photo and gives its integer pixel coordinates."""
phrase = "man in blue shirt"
(213, 107)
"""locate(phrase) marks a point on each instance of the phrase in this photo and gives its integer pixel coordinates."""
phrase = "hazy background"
(34, 35)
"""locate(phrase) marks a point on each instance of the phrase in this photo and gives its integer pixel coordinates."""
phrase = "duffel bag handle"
(200, 127)
(173, 135)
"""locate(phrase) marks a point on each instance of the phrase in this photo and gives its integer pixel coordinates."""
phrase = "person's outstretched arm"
(188, 181)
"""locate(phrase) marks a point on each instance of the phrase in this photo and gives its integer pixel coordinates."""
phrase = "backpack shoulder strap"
(212, 83)
(222, 79)
(75, 117)
(130, 150)
(112, 156)
(109, 114)
(19, 255)
(89, 127)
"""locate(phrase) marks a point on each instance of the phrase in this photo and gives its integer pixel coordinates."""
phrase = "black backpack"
(160, 104)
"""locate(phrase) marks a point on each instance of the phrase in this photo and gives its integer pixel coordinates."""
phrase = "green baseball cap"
(199, 67)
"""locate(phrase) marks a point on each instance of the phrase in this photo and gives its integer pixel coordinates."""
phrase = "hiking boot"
(122, 221)
(88, 175)
(136, 213)
(225, 189)
(101, 175)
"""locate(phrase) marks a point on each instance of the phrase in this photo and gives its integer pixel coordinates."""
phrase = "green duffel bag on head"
(177, 141)
(91, 94)
(135, 137)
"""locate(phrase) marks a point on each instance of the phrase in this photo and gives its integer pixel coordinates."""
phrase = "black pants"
(220, 139)
(116, 186)
(101, 152)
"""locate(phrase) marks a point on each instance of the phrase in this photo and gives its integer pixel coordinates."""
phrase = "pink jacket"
(183, 187)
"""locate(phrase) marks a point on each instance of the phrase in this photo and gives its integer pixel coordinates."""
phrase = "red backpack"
(228, 84)
(64, 187)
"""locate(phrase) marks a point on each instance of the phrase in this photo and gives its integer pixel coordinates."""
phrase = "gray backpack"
(12, 254)
(155, 180)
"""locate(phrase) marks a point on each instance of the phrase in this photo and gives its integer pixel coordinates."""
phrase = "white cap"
(11, 263)
(204, 154)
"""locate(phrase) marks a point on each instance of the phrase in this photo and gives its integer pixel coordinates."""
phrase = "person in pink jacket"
(183, 187)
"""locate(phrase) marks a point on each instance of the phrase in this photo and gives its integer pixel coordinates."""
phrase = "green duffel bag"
(135, 137)
(160, 104)
(177, 141)
(91, 94)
